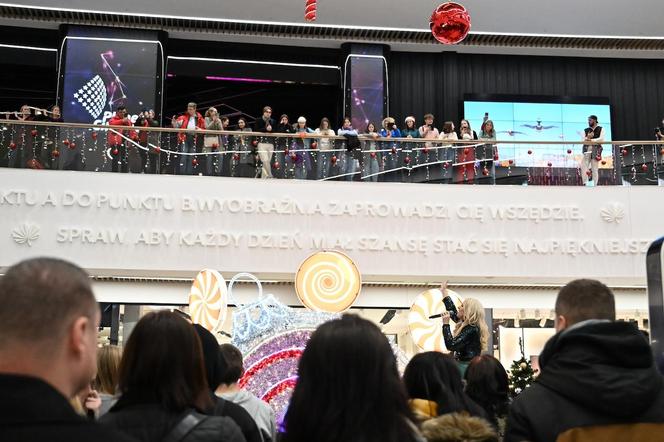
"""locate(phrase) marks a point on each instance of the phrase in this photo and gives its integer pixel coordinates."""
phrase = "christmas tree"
(521, 373)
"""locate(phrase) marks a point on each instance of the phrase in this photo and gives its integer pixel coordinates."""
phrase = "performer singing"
(592, 152)
(471, 334)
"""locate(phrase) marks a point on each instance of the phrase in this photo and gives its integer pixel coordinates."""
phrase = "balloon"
(450, 23)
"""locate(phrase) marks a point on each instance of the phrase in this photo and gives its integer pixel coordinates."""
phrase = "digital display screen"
(367, 94)
(527, 121)
(100, 75)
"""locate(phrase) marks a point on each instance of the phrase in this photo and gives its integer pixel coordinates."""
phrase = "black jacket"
(593, 377)
(260, 125)
(466, 345)
(32, 410)
(240, 416)
(150, 422)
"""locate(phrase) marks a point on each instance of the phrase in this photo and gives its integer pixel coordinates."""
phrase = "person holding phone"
(471, 334)
(592, 151)
(116, 141)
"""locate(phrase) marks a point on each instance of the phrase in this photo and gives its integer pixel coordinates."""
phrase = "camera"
(451, 308)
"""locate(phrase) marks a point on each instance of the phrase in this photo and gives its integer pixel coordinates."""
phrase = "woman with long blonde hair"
(471, 334)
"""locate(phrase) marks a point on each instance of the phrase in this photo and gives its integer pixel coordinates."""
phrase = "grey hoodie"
(259, 410)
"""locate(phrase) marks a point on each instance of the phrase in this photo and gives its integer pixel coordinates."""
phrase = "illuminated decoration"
(310, 10)
(450, 23)
(208, 300)
(428, 333)
(328, 281)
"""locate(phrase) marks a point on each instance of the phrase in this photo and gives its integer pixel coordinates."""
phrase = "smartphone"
(654, 271)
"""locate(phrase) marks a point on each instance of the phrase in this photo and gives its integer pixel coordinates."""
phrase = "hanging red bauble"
(314, 145)
(495, 157)
(293, 156)
(254, 143)
(194, 162)
(286, 150)
(549, 164)
(569, 151)
(115, 151)
(72, 146)
(157, 149)
(603, 162)
(34, 132)
(236, 157)
(372, 154)
(394, 150)
(589, 173)
(406, 160)
(55, 153)
(661, 151)
(450, 23)
(333, 160)
(446, 165)
(310, 10)
(485, 171)
(624, 152)
(530, 152)
(276, 165)
(511, 162)
(12, 145)
(94, 135)
(66, 142)
(465, 151)
(644, 167)
(598, 158)
(215, 146)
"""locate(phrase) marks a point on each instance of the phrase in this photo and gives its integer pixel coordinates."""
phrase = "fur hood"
(457, 427)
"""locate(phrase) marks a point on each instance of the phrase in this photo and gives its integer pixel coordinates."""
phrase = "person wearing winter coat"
(598, 380)
(187, 141)
(392, 157)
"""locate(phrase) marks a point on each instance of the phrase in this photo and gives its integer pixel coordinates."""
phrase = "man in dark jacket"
(265, 145)
(48, 350)
(598, 380)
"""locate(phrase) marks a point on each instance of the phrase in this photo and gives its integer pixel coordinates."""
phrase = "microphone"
(450, 307)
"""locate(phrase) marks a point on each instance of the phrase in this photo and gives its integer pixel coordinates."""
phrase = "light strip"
(31, 48)
(130, 40)
(238, 79)
(272, 63)
(319, 25)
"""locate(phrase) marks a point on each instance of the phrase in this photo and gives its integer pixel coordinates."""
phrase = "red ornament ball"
(286, 151)
(530, 152)
(603, 162)
(333, 159)
(293, 156)
(446, 165)
(157, 149)
(194, 162)
(485, 171)
(450, 23)
(276, 165)
(466, 151)
(644, 167)
(406, 160)
(236, 157)
(661, 151)
(115, 151)
(589, 172)
(254, 143)
(66, 142)
(215, 146)
(34, 132)
(598, 158)
(511, 162)
(314, 145)
(569, 151)
(624, 152)
(72, 146)
(549, 164)
(372, 154)
(394, 150)
(94, 135)
(495, 157)
(55, 153)
(425, 150)
(12, 145)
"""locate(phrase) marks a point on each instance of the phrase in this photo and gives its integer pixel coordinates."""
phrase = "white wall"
(594, 17)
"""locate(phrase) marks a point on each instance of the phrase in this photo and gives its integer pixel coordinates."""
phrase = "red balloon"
(450, 23)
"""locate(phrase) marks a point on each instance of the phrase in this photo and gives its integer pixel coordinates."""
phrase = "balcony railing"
(61, 146)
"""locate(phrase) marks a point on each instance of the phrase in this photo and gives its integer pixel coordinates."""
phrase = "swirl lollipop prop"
(208, 300)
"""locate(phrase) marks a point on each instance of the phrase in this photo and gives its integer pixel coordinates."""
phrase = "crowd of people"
(173, 382)
(296, 150)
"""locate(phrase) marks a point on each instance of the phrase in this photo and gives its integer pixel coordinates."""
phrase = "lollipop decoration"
(310, 10)
(208, 300)
(450, 23)
(427, 333)
(328, 281)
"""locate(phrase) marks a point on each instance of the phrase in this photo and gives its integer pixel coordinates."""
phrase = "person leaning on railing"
(300, 158)
(265, 144)
(211, 144)
(192, 121)
(149, 157)
(323, 162)
(116, 141)
(347, 130)
(592, 151)
(244, 160)
(391, 158)
(281, 144)
(488, 133)
(372, 157)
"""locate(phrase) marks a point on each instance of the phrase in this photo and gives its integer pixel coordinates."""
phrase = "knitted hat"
(409, 118)
(301, 120)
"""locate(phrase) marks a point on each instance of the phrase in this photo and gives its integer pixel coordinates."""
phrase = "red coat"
(115, 139)
(183, 121)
